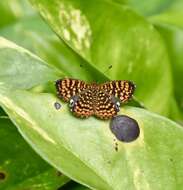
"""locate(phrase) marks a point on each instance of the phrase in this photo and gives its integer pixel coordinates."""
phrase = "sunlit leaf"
(39, 38)
(119, 38)
(85, 151)
(12, 10)
(21, 69)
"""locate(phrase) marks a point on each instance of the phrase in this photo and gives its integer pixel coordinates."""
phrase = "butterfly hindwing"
(123, 89)
(66, 88)
(81, 104)
(106, 106)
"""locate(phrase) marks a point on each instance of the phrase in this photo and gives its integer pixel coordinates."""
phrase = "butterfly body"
(101, 100)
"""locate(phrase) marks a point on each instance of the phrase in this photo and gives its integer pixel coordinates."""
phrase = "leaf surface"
(22, 167)
(112, 35)
(85, 151)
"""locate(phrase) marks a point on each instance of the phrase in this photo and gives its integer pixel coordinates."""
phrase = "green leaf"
(117, 37)
(85, 151)
(39, 39)
(23, 169)
(21, 69)
(2, 113)
(173, 38)
(73, 186)
(159, 11)
(123, 2)
(148, 8)
(176, 113)
(12, 10)
(172, 15)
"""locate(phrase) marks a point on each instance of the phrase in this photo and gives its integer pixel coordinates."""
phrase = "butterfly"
(101, 100)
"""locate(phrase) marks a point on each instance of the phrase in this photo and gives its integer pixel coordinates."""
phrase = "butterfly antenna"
(110, 67)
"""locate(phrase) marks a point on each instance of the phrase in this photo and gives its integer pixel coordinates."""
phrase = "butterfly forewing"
(122, 89)
(66, 88)
(83, 106)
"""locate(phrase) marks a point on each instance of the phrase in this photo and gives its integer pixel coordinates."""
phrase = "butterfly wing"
(66, 88)
(81, 104)
(106, 106)
(123, 89)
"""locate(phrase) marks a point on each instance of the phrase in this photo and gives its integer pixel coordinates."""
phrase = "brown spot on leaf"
(2, 175)
(59, 173)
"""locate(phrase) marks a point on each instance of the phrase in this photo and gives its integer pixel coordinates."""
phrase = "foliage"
(139, 41)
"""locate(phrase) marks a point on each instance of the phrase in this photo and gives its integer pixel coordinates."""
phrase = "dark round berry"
(57, 105)
(125, 129)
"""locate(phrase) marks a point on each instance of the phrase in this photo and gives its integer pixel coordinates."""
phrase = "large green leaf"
(173, 38)
(172, 15)
(165, 16)
(112, 34)
(84, 149)
(38, 38)
(12, 10)
(23, 169)
(176, 113)
(147, 8)
(159, 11)
(21, 69)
